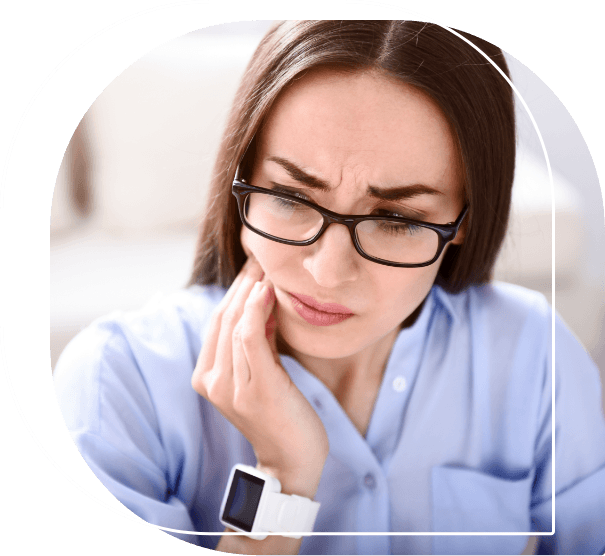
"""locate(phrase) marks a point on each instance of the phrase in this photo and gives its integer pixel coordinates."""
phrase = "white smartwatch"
(253, 503)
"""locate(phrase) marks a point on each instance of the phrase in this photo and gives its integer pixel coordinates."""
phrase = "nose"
(332, 260)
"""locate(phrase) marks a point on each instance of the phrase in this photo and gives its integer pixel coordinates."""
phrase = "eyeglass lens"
(388, 240)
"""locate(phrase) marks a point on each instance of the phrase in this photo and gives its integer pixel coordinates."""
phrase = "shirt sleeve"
(579, 462)
(112, 419)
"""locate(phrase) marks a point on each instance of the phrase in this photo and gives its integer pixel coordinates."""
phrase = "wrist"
(302, 481)
(255, 503)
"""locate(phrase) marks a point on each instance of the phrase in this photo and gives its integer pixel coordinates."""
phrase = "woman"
(366, 362)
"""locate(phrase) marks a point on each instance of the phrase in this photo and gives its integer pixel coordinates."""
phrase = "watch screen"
(242, 502)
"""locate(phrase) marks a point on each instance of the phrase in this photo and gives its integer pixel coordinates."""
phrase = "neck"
(367, 364)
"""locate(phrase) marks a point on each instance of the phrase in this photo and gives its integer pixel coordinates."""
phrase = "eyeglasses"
(387, 240)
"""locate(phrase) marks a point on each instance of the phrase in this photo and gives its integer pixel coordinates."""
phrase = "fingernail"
(270, 326)
(256, 289)
(269, 296)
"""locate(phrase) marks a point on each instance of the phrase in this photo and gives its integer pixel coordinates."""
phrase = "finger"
(231, 316)
(210, 340)
(246, 268)
(241, 369)
(271, 322)
(256, 348)
(270, 327)
(233, 311)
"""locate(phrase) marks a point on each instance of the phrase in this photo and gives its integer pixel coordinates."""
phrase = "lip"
(319, 314)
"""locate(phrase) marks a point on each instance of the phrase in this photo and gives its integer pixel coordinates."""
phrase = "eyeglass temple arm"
(458, 223)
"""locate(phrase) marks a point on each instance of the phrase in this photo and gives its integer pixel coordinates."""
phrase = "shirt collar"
(446, 300)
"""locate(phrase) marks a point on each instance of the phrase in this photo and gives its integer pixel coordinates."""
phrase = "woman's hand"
(239, 372)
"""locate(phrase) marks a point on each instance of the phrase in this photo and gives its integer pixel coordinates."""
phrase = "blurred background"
(132, 185)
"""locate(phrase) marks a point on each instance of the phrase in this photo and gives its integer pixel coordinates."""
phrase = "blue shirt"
(459, 438)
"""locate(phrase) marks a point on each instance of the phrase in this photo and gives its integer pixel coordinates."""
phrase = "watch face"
(242, 501)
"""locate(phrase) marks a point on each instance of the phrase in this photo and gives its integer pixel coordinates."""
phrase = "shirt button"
(399, 384)
(369, 481)
(317, 403)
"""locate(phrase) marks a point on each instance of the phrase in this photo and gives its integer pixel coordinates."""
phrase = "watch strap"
(289, 513)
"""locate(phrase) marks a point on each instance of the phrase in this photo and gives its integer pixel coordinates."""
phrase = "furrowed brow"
(404, 192)
(299, 174)
(386, 194)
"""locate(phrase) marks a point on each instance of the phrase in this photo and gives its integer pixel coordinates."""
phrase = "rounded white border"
(179, 531)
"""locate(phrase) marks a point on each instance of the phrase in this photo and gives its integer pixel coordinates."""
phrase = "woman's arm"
(110, 405)
(240, 373)
(305, 484)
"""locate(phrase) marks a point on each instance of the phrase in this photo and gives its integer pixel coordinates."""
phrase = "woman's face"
(349, 132)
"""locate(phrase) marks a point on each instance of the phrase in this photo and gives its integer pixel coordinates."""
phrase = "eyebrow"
(385, 194)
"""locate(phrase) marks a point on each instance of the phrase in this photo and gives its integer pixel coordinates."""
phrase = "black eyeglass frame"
(445, 232)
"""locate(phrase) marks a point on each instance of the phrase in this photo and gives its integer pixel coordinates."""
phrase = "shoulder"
(499, 322)
(135, 358)
(499, 315)
(512, 308)
(168, 320)
(505, 302)
(514, 325)
(173, 320)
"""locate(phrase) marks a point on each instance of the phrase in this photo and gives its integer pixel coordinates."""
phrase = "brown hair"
(475, 98)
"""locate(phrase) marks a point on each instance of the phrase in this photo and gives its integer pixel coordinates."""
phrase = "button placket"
(369, 481)
(399, 384)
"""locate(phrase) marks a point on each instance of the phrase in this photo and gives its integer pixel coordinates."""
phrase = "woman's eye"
(389, 213)
(287, 203)
(397, 228)
(280, 189)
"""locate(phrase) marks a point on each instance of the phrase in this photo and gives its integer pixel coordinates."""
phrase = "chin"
(316, 348)
(323, 342)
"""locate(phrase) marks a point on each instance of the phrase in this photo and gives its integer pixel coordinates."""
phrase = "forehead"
(364, 123)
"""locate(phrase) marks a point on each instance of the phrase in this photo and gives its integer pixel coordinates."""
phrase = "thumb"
(257, 311)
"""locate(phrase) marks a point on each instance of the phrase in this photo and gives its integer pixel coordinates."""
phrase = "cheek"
(271, 255)
(389, 293)
(245, 240)
(402, 290)
(402, 280)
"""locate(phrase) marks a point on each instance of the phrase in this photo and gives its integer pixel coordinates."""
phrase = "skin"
(350, 131)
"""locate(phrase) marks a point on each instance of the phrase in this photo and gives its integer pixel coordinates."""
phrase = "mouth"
(319, 314)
